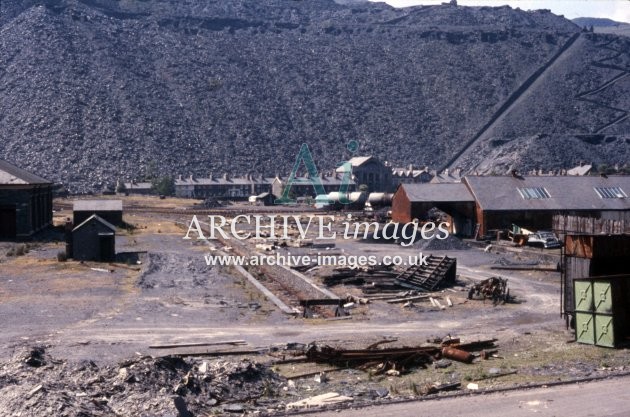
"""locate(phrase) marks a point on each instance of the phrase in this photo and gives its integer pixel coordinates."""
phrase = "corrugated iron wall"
(401, 207)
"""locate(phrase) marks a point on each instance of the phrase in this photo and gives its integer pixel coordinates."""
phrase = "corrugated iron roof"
(97, 205)
(447, 192)
(12, 175)
(565, 192)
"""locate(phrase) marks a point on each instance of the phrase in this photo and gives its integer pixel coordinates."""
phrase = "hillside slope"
(95, 90)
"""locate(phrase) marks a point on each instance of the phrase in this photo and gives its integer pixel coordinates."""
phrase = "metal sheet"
(584, 296)
(584, 328)
(604, 331)
(602, 297)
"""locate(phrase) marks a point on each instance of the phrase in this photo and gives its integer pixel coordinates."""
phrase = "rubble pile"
(257, 120)
(34, 384)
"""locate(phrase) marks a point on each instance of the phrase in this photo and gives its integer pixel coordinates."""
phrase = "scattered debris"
(319, 400)
(314, 373)
(35, 357)
(434, 389)
(457, 354)
(321, 378)
(435, 272)
(340, 310)
(408, 299)
(36, 382)
(397, 360)
(442, 363)
(381, 360)
(102, 270)
(494, 288)
(359, 275)
(496, 374)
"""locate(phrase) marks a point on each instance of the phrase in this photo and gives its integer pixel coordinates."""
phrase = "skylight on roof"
(533, 193)
(610, 192)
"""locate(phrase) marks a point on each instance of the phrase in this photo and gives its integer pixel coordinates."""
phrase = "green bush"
(163, 186)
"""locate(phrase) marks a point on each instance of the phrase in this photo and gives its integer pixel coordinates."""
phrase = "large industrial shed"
(109, 210)
(413, 201)
(531, 202)
(25, 202)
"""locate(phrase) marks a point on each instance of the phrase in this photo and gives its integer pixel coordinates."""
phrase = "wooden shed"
(94, 240)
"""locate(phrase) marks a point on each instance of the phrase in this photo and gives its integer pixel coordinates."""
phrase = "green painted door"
(583, 296)
(584, 331)
(604, 331)
(602, 297)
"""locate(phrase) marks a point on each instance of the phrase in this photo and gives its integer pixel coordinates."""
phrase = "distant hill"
(604, 25)
(596, 22)
(95, 90)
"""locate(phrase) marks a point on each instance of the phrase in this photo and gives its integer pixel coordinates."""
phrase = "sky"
(618, 10)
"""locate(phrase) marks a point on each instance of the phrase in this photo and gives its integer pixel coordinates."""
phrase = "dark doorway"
(107, 247)
(8, 228)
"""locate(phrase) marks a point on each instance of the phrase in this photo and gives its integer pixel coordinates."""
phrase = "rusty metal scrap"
(457, 354)
(354, 357)
(493, 288)
(395, 360)
(477, 346)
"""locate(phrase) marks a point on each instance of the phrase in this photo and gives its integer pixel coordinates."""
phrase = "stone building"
(25, 202)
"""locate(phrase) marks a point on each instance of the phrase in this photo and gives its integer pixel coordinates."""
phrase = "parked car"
(544, 239)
